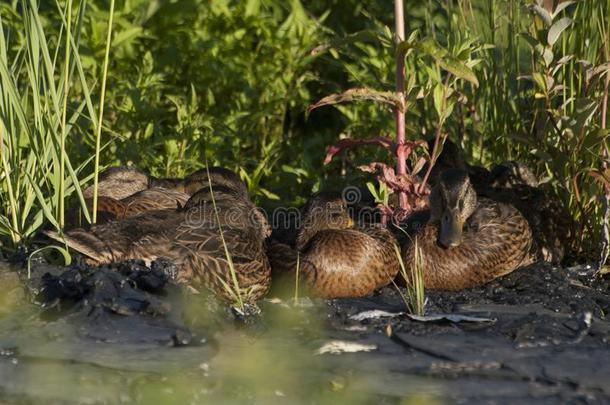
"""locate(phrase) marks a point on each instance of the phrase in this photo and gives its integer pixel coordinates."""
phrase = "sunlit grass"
(413, 276)
(233, 289)
(38, 116)
(98, 129)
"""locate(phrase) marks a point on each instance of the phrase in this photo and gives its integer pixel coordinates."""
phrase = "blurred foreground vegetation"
(230, 81)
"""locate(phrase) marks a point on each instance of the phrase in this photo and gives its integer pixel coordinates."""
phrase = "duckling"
(194, 237)
(469, 240)
(334, 259)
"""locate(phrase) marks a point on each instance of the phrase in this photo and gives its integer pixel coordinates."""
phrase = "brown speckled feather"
(497, 240)
(349, 262)
(125, 191)
(340, 263)
(191, 239)
(154, 199)
(119, 182)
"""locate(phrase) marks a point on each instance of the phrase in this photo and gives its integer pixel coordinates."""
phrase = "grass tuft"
(415, 295)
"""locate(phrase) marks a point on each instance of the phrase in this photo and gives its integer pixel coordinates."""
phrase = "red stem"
(401, 161)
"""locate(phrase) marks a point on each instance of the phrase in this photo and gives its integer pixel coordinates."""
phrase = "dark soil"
(536, 335)
(547, 338)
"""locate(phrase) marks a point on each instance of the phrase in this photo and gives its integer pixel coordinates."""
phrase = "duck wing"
(349, 262)
(213, 255)
(115, 240)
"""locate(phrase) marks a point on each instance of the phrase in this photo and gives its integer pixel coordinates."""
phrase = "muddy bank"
(127, 335)
(539, 333)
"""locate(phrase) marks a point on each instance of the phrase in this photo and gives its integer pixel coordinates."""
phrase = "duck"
(552, 227)
(332, 256)
(515, 183)
(118, 182)
(217, 229)
(125, 191)
(468, 240)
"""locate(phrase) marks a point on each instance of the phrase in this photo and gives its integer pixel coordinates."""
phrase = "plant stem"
(437, 136)
(101, 114)
(64, 132)
(401, 163)
(605, 248)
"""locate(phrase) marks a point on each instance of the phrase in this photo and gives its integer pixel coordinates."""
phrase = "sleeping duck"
(125, 191)
(332, 257)
(468, 240)
(215, 231)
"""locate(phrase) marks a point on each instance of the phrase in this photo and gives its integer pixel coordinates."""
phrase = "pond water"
(181, 348)
(88, 357)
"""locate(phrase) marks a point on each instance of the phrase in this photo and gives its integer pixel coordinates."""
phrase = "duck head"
(323, 211)
(452, 201)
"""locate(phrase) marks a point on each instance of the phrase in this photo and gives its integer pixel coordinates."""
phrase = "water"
(88, 358)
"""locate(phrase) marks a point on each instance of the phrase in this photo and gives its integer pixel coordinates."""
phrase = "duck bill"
(450, 230)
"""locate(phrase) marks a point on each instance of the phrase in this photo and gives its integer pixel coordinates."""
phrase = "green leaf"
(268, 194)
(373, 190)
(459, 70)
(556, 30)
(64, 252)
(361, 36)
(447, 61)
(126, 36)
(439, 95)
(533, 42)
(547, 56)
(252, 7)
(539, 80)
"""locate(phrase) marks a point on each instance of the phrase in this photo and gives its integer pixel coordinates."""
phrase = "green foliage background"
(230, 81)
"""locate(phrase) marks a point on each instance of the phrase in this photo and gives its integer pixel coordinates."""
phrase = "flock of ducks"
(479, 228)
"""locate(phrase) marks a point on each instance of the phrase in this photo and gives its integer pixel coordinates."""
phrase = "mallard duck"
(151, 199)
(199, 179)
(119, 182)
(514, 183)
(469, 240)
(334, 258)
(191, 237)
(125, 191)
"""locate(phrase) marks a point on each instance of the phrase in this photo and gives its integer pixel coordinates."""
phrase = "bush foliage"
(231, 81)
